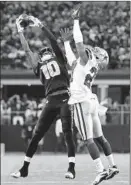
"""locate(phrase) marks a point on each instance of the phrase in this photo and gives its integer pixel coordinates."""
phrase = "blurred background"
(104, 24)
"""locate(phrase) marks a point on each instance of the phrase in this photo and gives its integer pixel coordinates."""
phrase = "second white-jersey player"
(85, 103)
(82, 79)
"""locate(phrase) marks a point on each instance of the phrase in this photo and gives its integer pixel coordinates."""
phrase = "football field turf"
(49, 169)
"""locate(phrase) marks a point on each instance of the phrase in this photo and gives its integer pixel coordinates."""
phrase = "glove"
(66, 34)
(76, 11)
(36, 21)
(18, 22)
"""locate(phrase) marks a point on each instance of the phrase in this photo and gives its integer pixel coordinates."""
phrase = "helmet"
(101, 56)
(45, 51)
(45, 54)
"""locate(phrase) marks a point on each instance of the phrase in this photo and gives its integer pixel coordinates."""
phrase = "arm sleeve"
(69, 53)
(77, 32)
(58, 52)
(78, 38)
(32, 58)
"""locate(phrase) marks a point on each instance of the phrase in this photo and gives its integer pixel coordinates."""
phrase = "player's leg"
(83, 119)
(103, 142)
(46, 118)
(66, 118)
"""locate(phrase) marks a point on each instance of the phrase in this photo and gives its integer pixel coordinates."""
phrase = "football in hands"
(25, 22)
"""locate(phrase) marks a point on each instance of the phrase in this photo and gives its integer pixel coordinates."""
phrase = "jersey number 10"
(51, 69)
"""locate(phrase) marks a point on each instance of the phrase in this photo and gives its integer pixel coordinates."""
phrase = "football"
(25, 21)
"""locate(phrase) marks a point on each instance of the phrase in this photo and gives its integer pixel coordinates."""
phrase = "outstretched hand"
(66, 34)
(76, 11)
(36, 21)
(18, 23)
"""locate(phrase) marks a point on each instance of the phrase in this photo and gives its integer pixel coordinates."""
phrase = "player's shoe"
(23, 172)
(70, 174)
(100, 177)
(112, 172)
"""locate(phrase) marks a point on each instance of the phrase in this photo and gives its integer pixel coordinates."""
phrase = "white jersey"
(82, 79)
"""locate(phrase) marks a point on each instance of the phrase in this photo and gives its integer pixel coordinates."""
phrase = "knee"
(36, 137)
(101, 140)
(95, 117)
(68, 135)
(89, 141)
(67, 131)
(66, 127)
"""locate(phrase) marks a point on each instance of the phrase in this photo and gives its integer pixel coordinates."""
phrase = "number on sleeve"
(89, 77)
(88, 80)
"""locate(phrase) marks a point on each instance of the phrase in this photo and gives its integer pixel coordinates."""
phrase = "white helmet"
(101, 57)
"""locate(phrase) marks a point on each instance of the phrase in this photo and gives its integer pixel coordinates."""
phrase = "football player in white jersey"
(85, 103)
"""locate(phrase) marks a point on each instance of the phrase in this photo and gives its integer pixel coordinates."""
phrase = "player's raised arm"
(57, 50)
(32, 58)
(66, 35)
(78, 37)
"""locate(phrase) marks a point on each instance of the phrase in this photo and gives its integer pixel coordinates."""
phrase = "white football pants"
(87, 120)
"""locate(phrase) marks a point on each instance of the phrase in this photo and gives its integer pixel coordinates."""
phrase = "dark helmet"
(45, 54)
(45, 50)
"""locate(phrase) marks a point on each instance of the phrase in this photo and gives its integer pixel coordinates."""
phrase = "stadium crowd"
(20, 110)
(105, 24)
(25, 111)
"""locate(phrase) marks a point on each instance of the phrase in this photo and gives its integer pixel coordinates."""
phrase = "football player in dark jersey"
(50, 66)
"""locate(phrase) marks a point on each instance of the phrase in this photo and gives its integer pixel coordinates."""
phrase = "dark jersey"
(53, 75)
